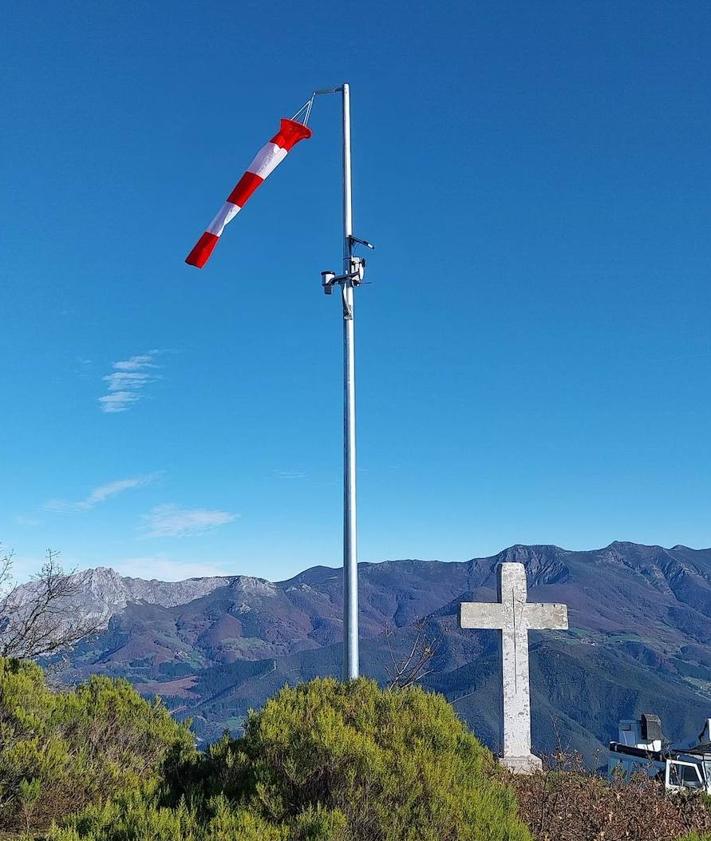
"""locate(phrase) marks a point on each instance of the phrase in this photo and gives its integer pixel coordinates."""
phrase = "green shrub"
(62, 750)
(325, 761)
(134, 816)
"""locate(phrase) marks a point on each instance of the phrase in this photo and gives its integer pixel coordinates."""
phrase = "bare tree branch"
(40, 617)
(415, 665)
(5, 573)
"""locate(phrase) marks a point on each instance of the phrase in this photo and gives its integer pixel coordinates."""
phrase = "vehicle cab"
(642, 748)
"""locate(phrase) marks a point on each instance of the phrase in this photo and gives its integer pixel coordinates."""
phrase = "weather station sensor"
(327, 281)
(354, 275)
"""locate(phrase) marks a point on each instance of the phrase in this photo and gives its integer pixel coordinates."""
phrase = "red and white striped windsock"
(265, 162)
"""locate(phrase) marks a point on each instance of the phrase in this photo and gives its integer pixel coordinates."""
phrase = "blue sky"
(533, 349)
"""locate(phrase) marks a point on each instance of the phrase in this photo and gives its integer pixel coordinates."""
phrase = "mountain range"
(640, 627)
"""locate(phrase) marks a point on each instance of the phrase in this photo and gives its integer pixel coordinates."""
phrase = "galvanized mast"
(350, 537)
(352, 276)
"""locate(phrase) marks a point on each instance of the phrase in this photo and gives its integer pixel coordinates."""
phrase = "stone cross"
(514, 616)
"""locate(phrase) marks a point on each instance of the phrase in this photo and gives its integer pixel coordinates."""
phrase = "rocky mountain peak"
(249, 584)
(101, 592)
(544, 564)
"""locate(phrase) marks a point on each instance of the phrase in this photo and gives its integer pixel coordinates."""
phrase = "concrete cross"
(514, 616)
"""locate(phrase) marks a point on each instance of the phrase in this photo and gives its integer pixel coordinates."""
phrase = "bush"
(326, 761)
(62, 750)
(575, 805)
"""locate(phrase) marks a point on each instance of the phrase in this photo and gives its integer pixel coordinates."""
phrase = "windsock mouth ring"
(290, 133)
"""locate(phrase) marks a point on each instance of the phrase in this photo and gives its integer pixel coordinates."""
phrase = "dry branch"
(40, 618)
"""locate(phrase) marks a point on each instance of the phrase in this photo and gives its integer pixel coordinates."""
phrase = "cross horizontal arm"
(484, 615)
(547, 617)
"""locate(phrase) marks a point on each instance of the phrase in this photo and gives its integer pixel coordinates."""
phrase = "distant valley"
(640, 627)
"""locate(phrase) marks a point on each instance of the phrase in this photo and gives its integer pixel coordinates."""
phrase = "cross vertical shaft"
(514, 661)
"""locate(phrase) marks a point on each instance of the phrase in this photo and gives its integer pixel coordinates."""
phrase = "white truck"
(641, 747)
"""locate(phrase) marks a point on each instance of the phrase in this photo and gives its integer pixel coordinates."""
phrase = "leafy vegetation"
(324, 761)
(62, 750)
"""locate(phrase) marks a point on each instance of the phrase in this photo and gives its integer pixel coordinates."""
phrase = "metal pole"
(350, 545)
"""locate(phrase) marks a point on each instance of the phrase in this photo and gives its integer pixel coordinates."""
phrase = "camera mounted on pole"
(356, 268)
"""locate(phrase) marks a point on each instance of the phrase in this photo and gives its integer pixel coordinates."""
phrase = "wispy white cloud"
(136, 363)
(122, 380)
(118, 402)
(290, 474)
(126, 382)
(174, 521)
(101, 493)
(84, 368)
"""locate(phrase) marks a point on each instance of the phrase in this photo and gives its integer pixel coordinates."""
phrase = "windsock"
(265, 162)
